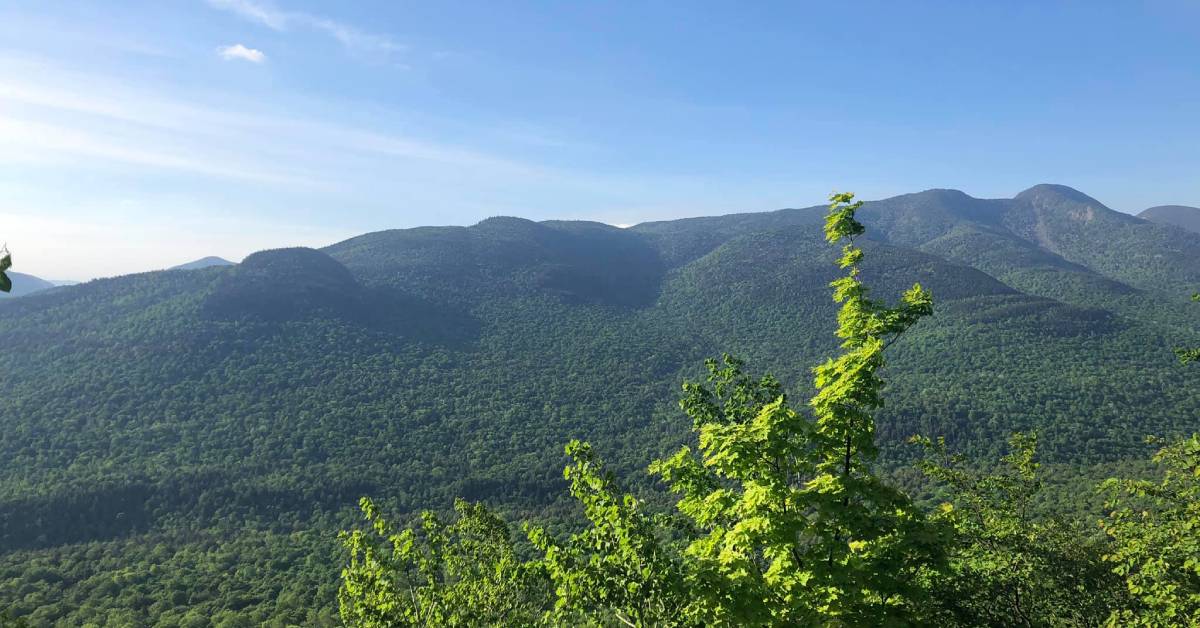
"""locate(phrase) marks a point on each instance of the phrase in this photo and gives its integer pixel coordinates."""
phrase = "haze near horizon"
(144, 135)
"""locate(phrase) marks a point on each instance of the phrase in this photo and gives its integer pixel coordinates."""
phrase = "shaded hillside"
(577, 262)
(229, 411)
(286, 284)
(301, 284)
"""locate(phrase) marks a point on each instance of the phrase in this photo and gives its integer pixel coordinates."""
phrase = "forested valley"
(182, 448)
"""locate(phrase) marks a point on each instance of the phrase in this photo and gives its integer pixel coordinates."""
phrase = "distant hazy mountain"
(25, 284)
(203, 262)
(1178, 215)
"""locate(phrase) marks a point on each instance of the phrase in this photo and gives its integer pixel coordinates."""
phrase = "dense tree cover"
(795, 525)
(1009, 564)
(221, 576)
(219, 412)
(786, 522)
(1155, 529)
(464, 573)
(1190, 355)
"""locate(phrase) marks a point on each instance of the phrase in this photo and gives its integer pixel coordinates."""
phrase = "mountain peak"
(296, 262)
(1170, 209)
(284, 284)
(1178, 215)
(943, 193)
(1044, 193)
(933, 196)
(505, 221)
(203, 262)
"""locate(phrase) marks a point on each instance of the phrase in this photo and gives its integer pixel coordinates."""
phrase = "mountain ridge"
(203, 262)
(258, 401)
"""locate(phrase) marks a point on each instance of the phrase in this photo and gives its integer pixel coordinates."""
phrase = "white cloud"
(49, 111)
(271, 160)
(276, 19)
(256, 12)
(238, 51)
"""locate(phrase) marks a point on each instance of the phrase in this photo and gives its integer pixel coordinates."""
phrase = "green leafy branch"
(5, 264)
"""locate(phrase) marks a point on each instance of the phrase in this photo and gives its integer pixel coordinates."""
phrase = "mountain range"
(24, 284)
(204, 432)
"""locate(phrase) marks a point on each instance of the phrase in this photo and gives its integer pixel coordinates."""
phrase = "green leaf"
(5, 281)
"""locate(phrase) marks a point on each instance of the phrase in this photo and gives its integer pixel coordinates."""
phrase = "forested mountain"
(203, 262)
(1178, 215)
(181, 446)
(23, 284)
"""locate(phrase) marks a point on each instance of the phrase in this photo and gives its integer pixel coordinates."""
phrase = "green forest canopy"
(783, 520)
(181, 447)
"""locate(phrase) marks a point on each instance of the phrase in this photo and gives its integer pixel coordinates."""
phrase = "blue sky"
(138, 135)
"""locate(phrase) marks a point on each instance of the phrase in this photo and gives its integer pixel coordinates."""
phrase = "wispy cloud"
(48, 113)
(280, 20)
(30, 140)
(238, 51)
(263, 14)
(281, 161)
(42, 30)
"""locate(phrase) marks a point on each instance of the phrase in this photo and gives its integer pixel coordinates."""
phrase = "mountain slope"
(218, 424)
(204, 262)
(578, 262)
(1181, 216)
(25, 284)
(1120, 246)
